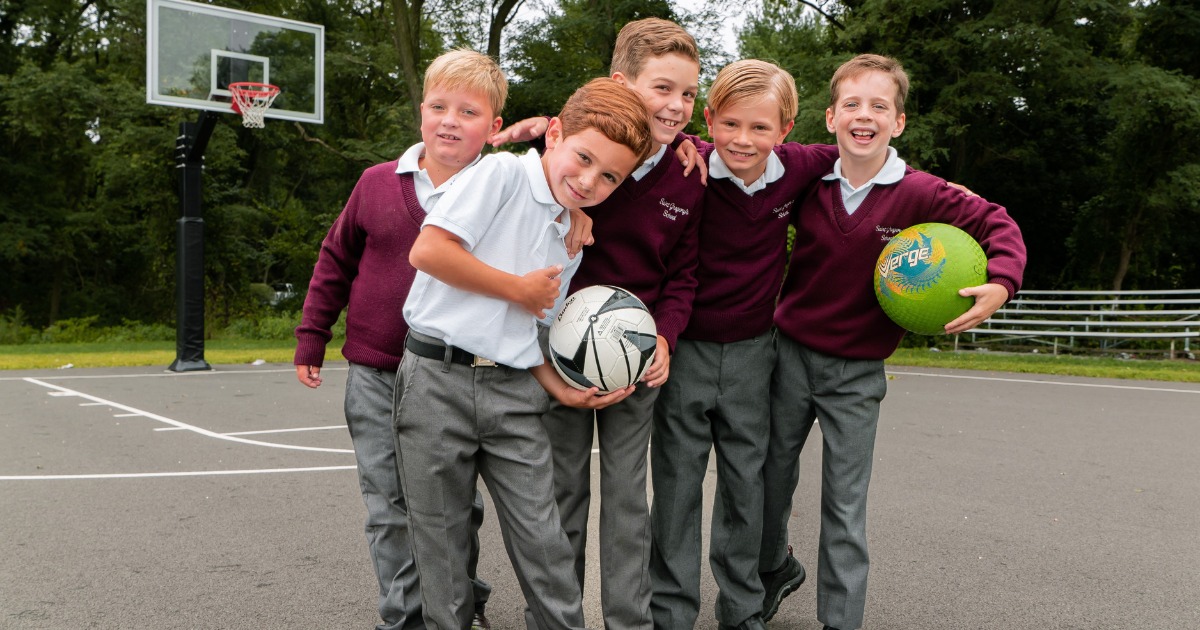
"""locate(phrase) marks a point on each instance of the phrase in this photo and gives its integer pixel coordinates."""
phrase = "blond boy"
(362, 267)
(718, 396)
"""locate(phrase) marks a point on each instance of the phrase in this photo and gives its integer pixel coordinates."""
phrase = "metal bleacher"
(1096, 321)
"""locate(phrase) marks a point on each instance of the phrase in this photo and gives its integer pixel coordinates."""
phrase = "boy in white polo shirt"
(472, 386)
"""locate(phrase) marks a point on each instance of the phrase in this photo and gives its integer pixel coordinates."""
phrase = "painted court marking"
(59, 391)
(1060, 383)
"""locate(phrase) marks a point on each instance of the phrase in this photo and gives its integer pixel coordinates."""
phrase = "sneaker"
(480, 622)
(753, 623)
(780, 583)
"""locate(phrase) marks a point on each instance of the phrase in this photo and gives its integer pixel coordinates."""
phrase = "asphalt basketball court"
(138, 498)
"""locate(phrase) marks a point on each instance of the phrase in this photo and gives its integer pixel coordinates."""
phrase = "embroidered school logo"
(783, 211)
(672, 211)
(886, 233)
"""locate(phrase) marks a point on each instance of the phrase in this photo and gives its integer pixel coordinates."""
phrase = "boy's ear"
(708, 119)
(553, 133)
(829, 120)
(619, 77)
(899, 126)
(496, 125)
(786, 130)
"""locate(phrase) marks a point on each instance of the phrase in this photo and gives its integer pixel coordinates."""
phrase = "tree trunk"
(503, 12)
(406, 36)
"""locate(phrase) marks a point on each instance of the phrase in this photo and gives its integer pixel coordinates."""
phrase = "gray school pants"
(368, 408)
(844, 394)
(453, 424)
(624, 432)
(718, 397)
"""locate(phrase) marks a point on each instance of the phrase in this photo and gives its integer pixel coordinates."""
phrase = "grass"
(144, 353)
(232, 352)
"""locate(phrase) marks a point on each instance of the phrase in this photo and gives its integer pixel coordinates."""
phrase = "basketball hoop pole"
(189, 239)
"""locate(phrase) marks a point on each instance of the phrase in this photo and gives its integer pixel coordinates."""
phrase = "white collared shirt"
(504, 213)
(649, 164)
(718, 169)
(427, 194)
(852, 198)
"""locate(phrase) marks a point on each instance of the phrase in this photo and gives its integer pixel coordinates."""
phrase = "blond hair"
(467, 70)
(612, 109)
(753, 79)
(867, 63)
(642, 40)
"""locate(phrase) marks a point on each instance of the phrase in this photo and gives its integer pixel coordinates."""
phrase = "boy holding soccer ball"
(718, 396)
(646, 243)
(833, 335)
(473, 384)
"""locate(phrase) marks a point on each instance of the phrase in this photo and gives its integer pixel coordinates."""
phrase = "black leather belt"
(437, 350)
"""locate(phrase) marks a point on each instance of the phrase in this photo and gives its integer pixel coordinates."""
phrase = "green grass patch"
(1179, 370)
(241, 351)
(146, 353)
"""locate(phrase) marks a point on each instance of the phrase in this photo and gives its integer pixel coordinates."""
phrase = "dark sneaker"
(753, 623)
(480, 622)
(780, 583)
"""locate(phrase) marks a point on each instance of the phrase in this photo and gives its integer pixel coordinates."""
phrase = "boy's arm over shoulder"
(336, 268)
(809, 160)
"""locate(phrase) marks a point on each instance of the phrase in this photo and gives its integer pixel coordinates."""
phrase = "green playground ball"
(920, 272)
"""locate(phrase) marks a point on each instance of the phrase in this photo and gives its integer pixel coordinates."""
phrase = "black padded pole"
(189, 239)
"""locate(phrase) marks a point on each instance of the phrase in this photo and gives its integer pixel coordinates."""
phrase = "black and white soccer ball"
(604, 337)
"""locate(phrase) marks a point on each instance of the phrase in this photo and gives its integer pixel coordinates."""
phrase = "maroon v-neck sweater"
(743, 246)
(363, 264)
(828, 301)
(646, 242)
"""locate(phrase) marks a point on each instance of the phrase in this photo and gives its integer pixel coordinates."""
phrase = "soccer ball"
(920, 271)
(603, 337)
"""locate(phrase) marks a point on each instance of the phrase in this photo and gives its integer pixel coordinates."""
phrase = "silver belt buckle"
(479, 361)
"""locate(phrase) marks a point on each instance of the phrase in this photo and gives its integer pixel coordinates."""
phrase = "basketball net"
(252, 100)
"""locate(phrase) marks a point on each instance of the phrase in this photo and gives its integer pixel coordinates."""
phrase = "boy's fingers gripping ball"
(603, 337)
(920, 272)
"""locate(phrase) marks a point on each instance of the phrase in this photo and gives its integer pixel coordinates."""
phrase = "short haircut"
(465, 69)
(641, 40)
(867, 63)
(612, 109)
(754, 79)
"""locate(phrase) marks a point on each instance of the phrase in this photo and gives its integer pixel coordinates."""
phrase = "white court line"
(1062, 383)
(63, 391)
(165, 374)
(194, 473)
(336, 426)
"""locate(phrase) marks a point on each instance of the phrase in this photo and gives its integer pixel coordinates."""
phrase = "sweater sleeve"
(990, 225)
(329, 289)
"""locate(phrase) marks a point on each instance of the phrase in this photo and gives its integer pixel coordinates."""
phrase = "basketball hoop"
(252, 100)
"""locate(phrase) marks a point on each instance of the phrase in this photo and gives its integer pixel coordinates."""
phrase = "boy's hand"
(591, 398)
(581, 232)
(660, 368)
(988, 298)
(690, 158)
(539, 289)
(522, 131)
(310, 375)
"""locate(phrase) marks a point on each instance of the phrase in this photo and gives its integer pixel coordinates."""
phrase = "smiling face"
(864, 117)
(455, 124)
(668, 84)
(745, 132)
(584, 168)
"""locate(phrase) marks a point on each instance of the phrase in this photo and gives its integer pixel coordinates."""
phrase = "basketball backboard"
(194, 51)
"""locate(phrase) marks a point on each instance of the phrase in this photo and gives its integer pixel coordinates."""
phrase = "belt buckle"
(479, 361)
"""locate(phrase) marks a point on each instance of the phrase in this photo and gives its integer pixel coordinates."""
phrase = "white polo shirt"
(505, 214)
(427, 193)
(717, 169)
